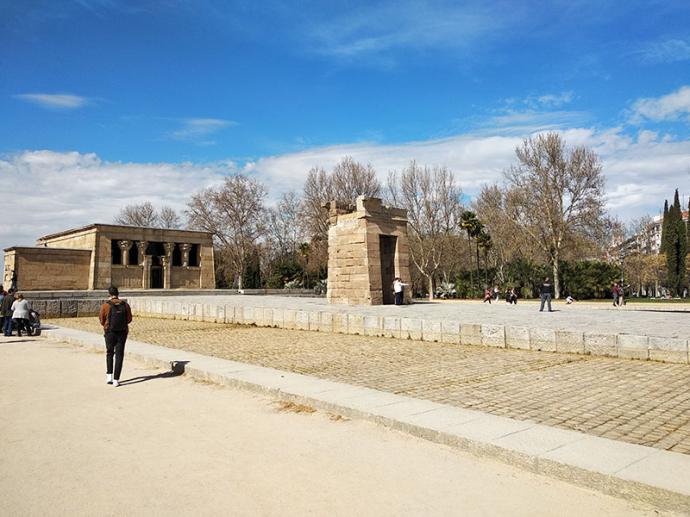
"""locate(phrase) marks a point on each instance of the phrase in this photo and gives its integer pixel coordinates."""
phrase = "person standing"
(2, 316)
(13, 281)
(487, 295)
(20, 314)
(546, 294)
(115, 317)
(6, 311)
(398, 289)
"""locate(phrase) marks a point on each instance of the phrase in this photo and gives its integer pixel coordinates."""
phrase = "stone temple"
(367, 249)
(100, 255)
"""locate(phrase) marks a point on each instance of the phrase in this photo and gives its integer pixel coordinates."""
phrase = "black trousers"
(398, 298)
(115, 345)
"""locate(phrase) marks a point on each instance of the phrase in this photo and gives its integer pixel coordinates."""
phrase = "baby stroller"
(34, 323)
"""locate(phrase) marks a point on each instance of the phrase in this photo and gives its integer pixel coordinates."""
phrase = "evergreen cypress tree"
(676, 244)
(664, 229)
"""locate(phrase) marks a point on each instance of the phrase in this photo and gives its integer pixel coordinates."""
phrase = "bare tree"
(433, 208)
(234, 213)
(138, 215)
(168, 218)
(285, 228)
(555, 192)
(348, 180)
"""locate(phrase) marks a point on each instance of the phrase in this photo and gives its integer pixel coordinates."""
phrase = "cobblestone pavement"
(641, 402)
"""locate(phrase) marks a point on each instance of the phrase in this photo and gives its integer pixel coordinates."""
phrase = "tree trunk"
(430, 280)
(477, 242)
(556, 280)
(469, 245)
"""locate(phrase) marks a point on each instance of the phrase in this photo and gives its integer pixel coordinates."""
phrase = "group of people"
(15, 311)
(618, 294)
(490, 295)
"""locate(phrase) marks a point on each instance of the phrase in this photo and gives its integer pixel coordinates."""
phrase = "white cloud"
(196, 130)
(669, 107)
(667, 51)
(72, 189)
(68, 190)
(59, 101)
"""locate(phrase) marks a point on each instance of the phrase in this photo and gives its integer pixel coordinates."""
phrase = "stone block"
(196, 312)
(229, 313)
(219, 313)
(355, 324)
(542, 339)
(40, 307)
(600, 344)
(249, 318)
(411, 328)
(68, 308)
(668, 350)
(391, 326)
(373, 326)
(325, 321)
(314, 321)
(517, 337)
(450, 332)
(431, 330)
(52, 309)
(208, 312)
(88, 307)
(302, 320)
(633, 347)
(493, 335)
(569, 341)
(239, 315)
(339, 322)
(276, 317)
(289, 319)
(470, 334)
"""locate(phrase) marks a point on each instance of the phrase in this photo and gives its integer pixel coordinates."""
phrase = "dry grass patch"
(292, 407)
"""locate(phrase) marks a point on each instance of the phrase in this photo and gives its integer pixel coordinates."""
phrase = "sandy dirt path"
(71, 445)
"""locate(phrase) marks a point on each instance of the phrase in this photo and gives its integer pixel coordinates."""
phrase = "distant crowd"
(16, 313)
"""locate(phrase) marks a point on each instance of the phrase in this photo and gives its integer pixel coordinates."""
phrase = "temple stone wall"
(355, 240)
(46, 268)
(126, 256)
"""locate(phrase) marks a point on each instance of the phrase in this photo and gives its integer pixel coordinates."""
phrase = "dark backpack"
(117, 319)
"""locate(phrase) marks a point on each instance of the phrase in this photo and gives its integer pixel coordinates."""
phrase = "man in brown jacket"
(115, 316)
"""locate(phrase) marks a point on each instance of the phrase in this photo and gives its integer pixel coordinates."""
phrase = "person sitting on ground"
(20, 314)
(569, 299)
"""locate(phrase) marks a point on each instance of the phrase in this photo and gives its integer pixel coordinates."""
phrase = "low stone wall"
(68, 307)
(448, 331)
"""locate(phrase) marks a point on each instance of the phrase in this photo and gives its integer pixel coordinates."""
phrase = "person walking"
(115, 317)
(614, 294)
(398, 289)
(546, 294)
(2, 296)
(6, 311)
(20, 314)
(487, 295)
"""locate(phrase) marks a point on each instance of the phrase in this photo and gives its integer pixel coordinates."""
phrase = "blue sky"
(168, 96)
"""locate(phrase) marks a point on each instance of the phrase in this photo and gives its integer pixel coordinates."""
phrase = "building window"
(155, 248)
(115, 253)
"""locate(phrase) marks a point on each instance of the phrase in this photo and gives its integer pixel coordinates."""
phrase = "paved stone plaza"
(640, 402)
(650, 319)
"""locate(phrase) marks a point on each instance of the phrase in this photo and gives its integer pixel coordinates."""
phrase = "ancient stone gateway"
(367, 249)
(100, 255)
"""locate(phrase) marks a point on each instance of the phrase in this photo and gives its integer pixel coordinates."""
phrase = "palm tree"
(305, 250)
(484, 242)
(471, 224)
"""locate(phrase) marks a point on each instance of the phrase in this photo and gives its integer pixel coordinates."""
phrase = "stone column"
(141, 245)
(146, 278)
(184, 248)
(124, 251)
(166, 261)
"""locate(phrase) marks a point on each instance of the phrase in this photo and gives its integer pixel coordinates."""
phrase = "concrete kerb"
(676, 350)
(616, 468)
